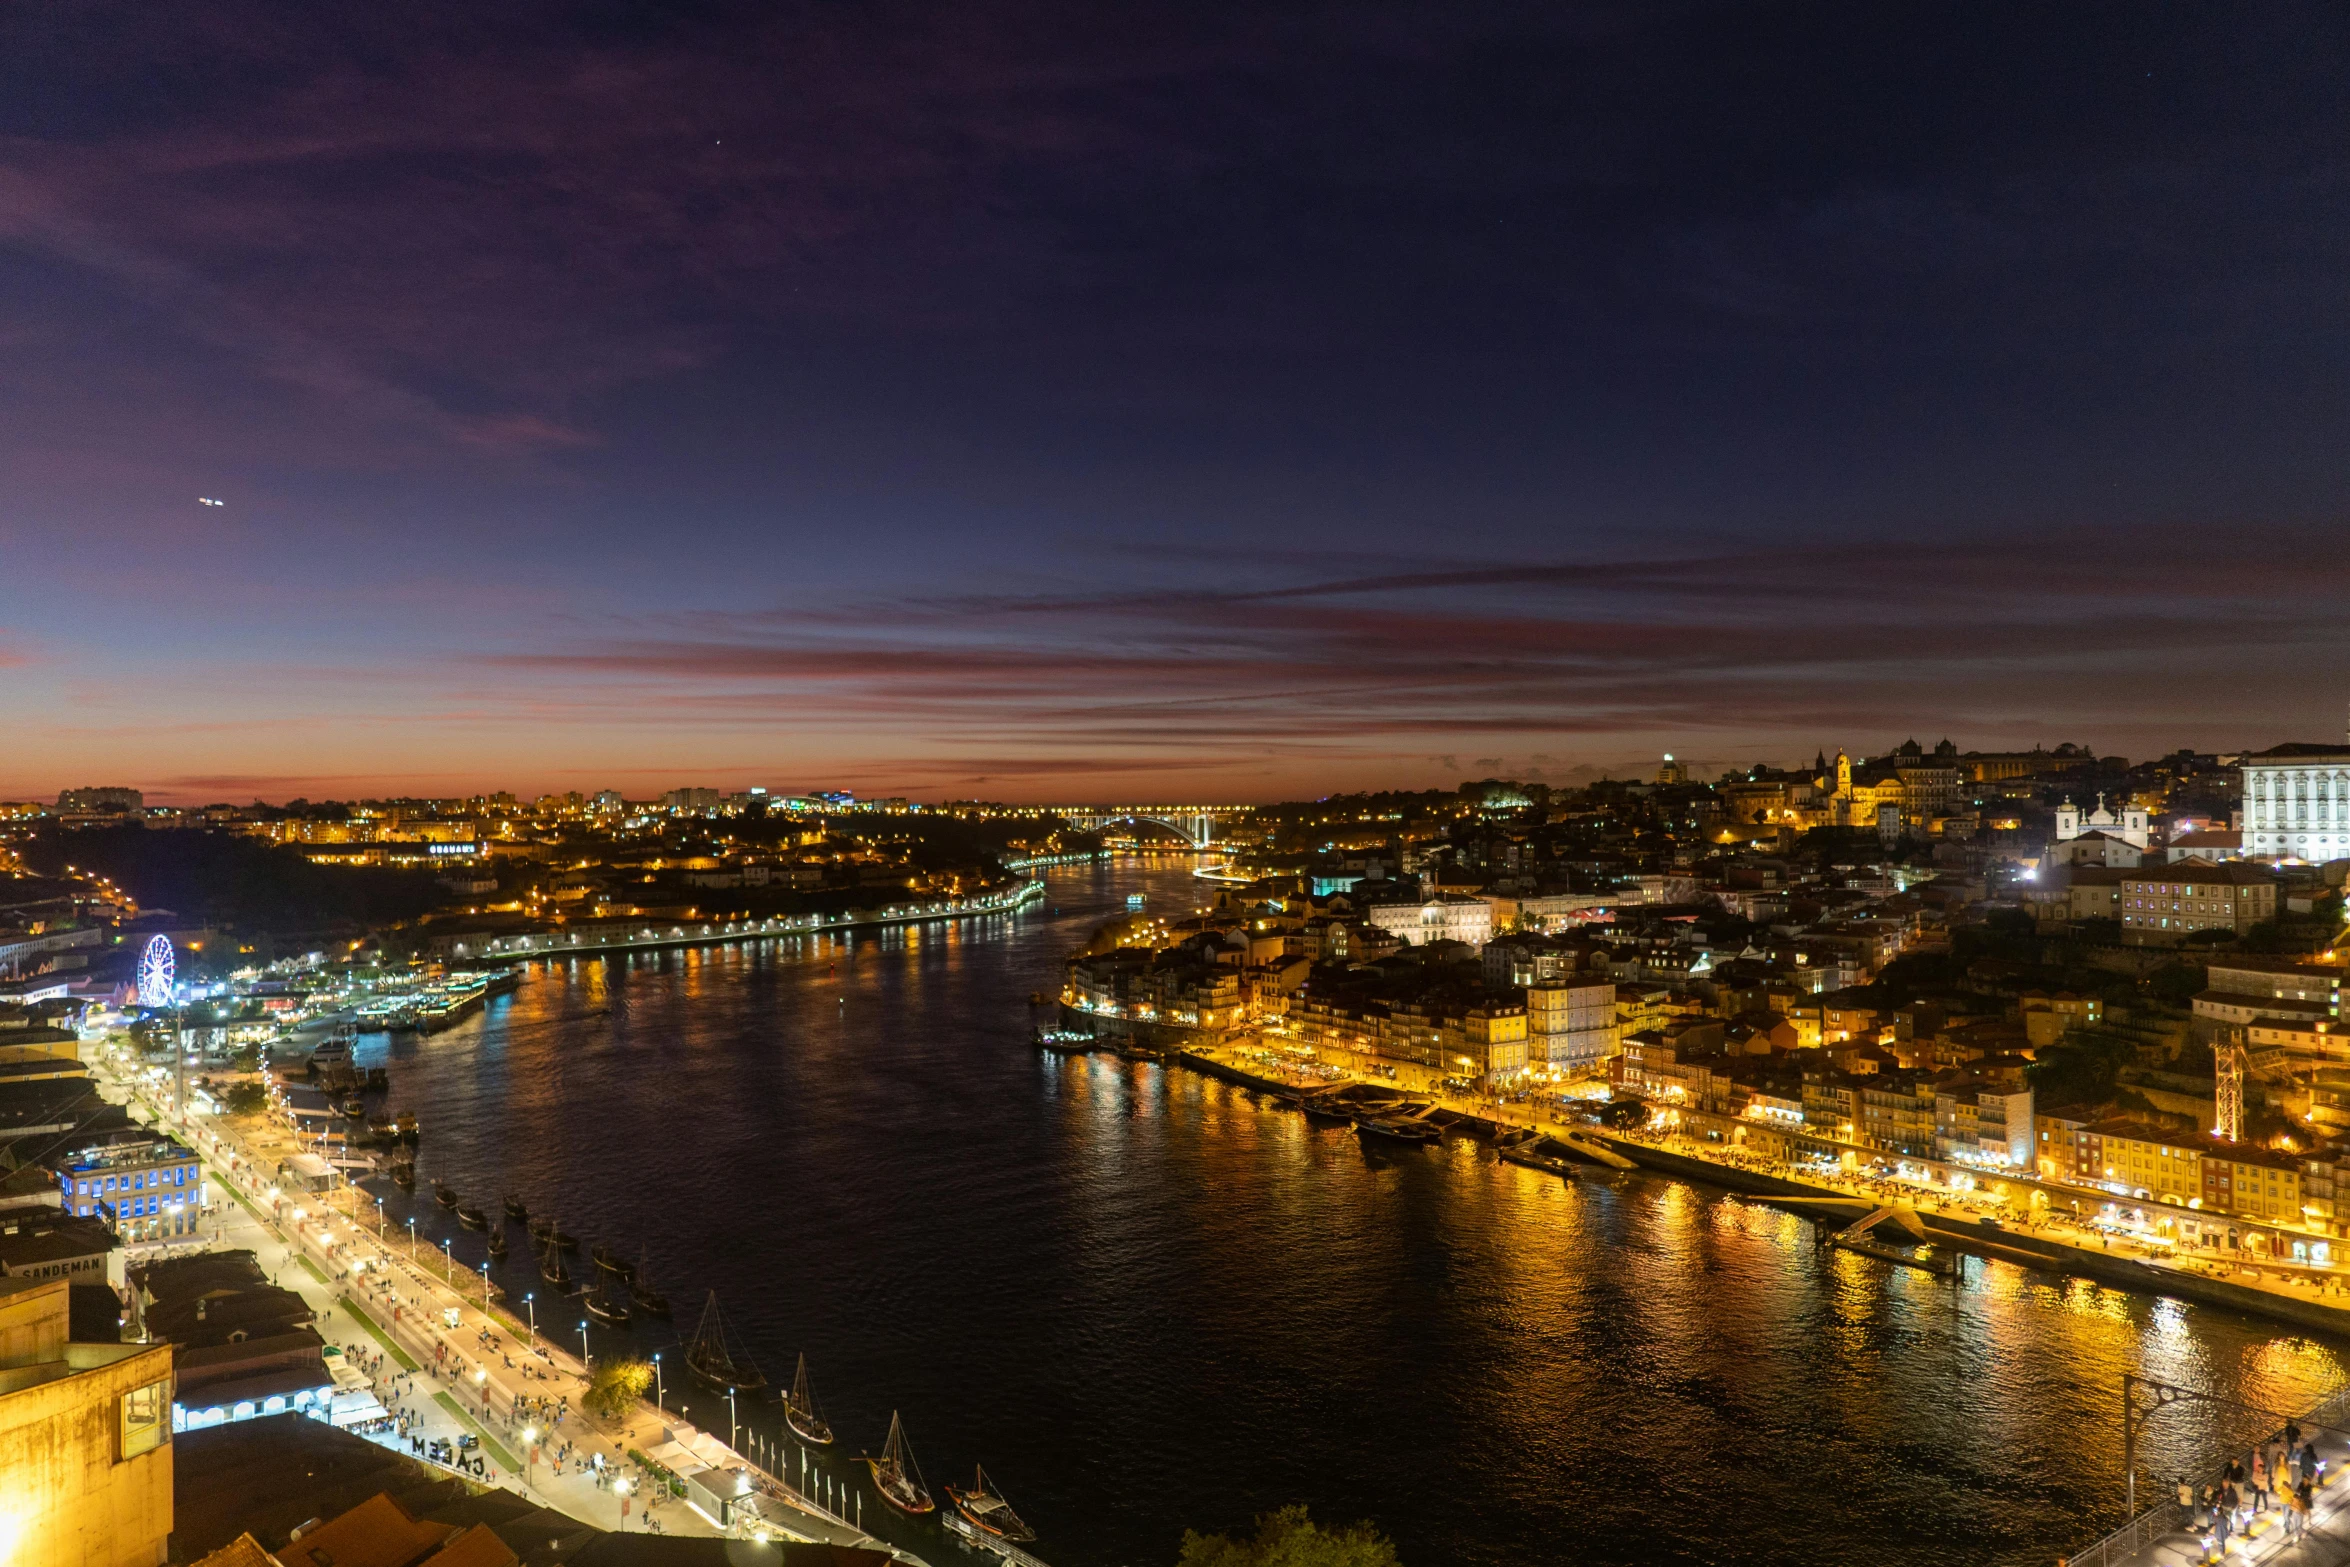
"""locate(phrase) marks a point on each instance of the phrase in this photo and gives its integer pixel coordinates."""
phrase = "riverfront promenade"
(1993, 1214)
(456, 1367)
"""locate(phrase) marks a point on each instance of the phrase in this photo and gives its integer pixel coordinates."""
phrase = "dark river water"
(1147, 1302)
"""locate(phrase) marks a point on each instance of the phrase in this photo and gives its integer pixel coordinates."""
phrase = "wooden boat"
(985, 1506)
(354, 1109)
(554, 1269)
(404, 1174)
(800, 1411)
(1400, 1129)
(601, 1306)
(498, 1244)
(648, 1300)
(896, 1476)
(515, 1210)
(445, 1194)
(547, 1233)
(471, 1217)
(1532, 1160)
(612, 1262)
(716, 1363)
(409, 1131)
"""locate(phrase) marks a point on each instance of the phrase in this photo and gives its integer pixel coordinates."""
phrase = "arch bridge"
(1198, 825)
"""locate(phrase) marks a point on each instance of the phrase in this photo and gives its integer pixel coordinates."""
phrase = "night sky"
(1138, 400)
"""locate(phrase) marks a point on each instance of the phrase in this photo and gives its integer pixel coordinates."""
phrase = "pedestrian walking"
(2297, 1504)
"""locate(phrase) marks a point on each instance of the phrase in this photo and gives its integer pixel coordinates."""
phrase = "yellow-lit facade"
(85, 1440)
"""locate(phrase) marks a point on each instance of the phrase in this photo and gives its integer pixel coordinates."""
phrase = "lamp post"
(379, 1217)
(660, 1393)
(534, 1316)
(485, 1288)
(412, 1238)
(734, 1430)
(583, 1343)
(448, 1263)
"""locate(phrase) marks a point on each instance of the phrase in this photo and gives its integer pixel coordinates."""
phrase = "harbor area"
(466, 1386)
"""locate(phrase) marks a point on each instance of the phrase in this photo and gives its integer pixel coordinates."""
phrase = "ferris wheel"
(156, 969)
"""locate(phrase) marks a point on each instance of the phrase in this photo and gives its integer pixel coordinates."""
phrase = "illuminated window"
(145, 1418)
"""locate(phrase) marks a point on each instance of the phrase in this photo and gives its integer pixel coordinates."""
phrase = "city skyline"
(1040, 405)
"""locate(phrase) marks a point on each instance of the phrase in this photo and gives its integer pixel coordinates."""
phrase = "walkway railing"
(2132, 1539)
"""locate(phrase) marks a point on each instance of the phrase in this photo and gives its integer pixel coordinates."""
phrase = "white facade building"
(2131, 825)
(2297, 803)
(1439, 919)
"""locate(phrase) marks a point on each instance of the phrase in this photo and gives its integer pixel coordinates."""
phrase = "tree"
(1289, 1538)
(616, 1386)
(244, 1099)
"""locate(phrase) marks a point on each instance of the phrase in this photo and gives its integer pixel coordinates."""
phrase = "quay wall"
(2008, 1245)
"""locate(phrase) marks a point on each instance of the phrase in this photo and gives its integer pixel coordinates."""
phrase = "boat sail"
(800, 1411)
(896, 1476)
(715, 1362)
(985, 1506)
(552, 1268)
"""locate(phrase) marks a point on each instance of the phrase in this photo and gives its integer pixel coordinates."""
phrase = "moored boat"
(602, 1306)
(409, 1130)
(715, 1362)
(800, 1411)
(471, 1217)
(985, 1506)
(547, 1233)
(445, 1194)
(897, 1477)
(554, 1269)
(515, 1209)
(1399, 1129)
(498, 1244)
(1528, 1156)
(404, 1174)
(648, 1300)
(612, 1262)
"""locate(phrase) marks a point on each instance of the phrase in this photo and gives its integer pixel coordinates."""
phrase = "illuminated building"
(1461, 919)
(2297, 803)
(2132, 825)
(85, 1439)
(2161, 904)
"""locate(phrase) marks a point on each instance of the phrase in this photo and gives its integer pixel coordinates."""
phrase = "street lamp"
(660, 1392)
(412, 1238)
(534, 1315)
(583, 1343)
(734, 1429)
(485, 1288)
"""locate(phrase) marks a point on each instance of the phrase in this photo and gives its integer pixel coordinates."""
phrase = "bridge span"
(1198, 824)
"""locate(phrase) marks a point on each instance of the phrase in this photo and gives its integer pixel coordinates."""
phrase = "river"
(1147, 1302)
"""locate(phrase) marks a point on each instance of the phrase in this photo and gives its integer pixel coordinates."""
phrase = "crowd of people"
(2281, 1474)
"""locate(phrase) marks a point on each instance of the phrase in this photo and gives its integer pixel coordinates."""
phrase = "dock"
(979, 1539)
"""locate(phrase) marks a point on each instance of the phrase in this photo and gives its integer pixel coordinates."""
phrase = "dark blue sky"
(1069, 401)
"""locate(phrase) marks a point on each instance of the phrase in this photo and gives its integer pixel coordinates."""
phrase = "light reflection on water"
(1147, 1301)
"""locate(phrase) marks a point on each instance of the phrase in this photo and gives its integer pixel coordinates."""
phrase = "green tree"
(616, 1386)
(244, 1099)
(1289, 1538)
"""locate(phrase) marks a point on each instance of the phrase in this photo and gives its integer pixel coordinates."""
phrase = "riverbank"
(2272, 1292)
(654, 937)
